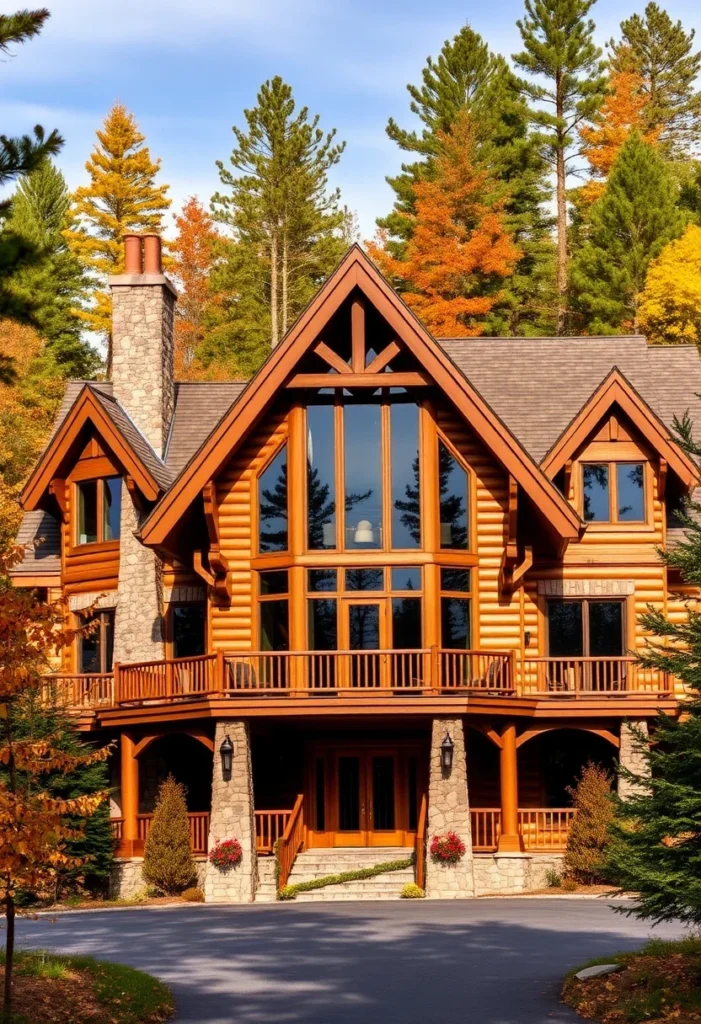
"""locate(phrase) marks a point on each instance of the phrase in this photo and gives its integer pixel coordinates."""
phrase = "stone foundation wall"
(449, 811)
(513, 873)
(127, 880)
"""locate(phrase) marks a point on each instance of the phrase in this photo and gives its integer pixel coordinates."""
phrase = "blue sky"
(187, 69)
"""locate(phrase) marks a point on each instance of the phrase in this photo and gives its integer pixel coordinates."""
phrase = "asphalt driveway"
(423, 962)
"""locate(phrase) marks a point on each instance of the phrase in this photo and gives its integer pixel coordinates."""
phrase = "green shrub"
(168, 862)
(289, 892)
(589, 834)
(412, 891)
(193, 895)
(552, 879)
(569, 885)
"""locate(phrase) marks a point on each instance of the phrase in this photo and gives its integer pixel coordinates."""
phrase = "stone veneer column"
(449, 811)
(138, 625)
(232, 817)
(632, 755)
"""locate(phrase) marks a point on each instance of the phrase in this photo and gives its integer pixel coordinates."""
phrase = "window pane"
(272, 504)
(90, 650)
(363, 484)
(565, 638)
(595, 482)
(87, 512)
(456, 579)
(321, 486)
(408, 577)
(111, 507)
(322, 579)
(189, 630)
(323, 630)
(631, 497)
(273, 582)
(406, 623)
(605, 629)
(365, 579)
(364, 627)
(455, 623)
(452, 481)
(274, 630)
(406, 507)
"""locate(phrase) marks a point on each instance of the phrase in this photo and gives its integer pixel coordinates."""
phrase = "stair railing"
(420, 845)
(289, 844)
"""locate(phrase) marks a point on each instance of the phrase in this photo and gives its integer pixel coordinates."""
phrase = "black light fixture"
(226, 752)
(447, 748)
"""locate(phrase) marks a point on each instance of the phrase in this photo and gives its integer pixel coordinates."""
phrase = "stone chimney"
(143, 307)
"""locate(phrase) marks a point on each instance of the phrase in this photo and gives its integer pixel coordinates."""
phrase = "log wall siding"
(232, 628)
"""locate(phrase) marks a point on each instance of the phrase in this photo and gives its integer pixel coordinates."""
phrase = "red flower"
(226, 854)
(448, 848)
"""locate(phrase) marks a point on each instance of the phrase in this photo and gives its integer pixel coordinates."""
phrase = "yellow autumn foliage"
(670, 305)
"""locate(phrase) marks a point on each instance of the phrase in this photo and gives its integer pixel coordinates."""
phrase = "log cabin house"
(399, 575)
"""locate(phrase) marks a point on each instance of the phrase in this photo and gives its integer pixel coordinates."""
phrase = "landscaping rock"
(598, 971)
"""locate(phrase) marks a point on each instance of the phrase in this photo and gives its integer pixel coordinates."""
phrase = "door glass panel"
(348, 794)
(452, 481)
(274, 630)
(90, 649)
(189, 629)
(629, 482)
(364, 627)
(111, 507)
(606, 629)
(406, 623)
(406, 505)
(323, 632)
(108, 623)
(272, 504)
(363, 476)
(455, 623)
(383, 793)
(321, 478)
(87, 512)
(565, 638)
(595, 484)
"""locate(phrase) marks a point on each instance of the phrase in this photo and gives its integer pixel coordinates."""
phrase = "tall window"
(453, 485)
(99, 508)
(188, 630)
(95, 648)
(456, 609)
(362, 451)
(406, 513)
(272, 504)
(274, 619)
(321, 477)
(613, 492)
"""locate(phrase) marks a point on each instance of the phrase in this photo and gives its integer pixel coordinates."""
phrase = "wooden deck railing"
(420, 845)
(270, 826)
(199, 829)
(290, 842)
(117, 826)
(171, 679)
(542, 828)
(592, 677)
(89, 690)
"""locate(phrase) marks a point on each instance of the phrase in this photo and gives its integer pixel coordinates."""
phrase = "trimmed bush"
(412, 891)
(589, 834)
(168, 863)
(289, 892)
(193, 895)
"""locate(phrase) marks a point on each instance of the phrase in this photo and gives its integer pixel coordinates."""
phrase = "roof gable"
(129, 446)
(615, 389)
(357, 272)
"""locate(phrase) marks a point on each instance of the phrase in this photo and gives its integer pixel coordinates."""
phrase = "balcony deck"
(409, 677)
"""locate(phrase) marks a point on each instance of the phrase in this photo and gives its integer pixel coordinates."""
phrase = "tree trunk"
(9, 957)
(561, 212)
(274, 336)
(285, 275)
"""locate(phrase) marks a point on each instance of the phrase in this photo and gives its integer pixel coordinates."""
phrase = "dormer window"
(613, 492)
(99, 504)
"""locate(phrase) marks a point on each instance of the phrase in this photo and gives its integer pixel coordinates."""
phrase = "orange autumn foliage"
(622, 111)
(192, 260)
(460, 248)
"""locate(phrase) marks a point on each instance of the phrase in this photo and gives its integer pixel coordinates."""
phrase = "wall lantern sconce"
(364, 532)
(447, 748)
(226, 752)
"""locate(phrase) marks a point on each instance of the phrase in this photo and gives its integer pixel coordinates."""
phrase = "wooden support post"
(130, 795)
(509, 840)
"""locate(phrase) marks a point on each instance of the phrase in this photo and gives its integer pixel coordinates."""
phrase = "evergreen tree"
(286, 225)
(122, 196)
(629, 226)
(466, 76)
(168, 862)
(661, 52)
(588, 838)
(47, 281)
(559, 48)
(22, 155)
(656, 845)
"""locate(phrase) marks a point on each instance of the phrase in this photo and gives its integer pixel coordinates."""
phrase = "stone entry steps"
(334, 861)
(266, 891)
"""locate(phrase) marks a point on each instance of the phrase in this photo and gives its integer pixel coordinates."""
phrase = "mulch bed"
(58, 1000)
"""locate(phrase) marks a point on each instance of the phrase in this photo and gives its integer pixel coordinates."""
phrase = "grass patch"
(289, 892)
(55, 989)
(659, 983)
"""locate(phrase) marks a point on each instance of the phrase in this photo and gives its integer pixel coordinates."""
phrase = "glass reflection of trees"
(272, 504)
(453, 496)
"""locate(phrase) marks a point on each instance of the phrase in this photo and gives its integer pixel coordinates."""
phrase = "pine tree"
(466, 76)
(46, 281)
(459, 251)
(168, 862)
(559, 48)
(661, 52)
(22, 155)
(629, 226)
(286, 224)
(588, 839)
(192, 255)
(670, 305)
(656, 845)
(122, 196)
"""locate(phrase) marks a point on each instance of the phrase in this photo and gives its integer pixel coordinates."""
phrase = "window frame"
(170, 624)
(256, 516)
(261, 598)
(612, 466)
(100, 482)
(586, 602)
(103, 615)
(466, 595)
